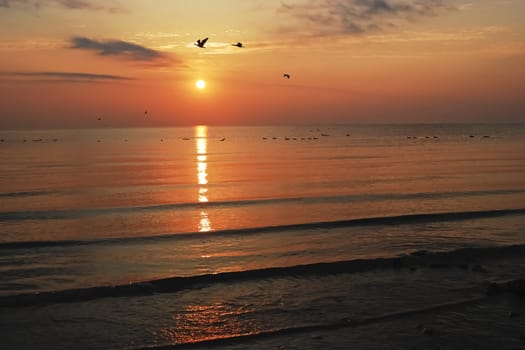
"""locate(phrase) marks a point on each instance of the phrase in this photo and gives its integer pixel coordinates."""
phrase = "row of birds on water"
(286, 138)
(33, 140)
(437, 137)
(202, 42)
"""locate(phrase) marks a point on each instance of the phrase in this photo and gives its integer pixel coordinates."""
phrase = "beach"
(322, 236)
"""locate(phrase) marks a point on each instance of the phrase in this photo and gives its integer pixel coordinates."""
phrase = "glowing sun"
(200, 84)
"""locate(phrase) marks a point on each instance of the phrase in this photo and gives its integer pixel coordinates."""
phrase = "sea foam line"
(460, 258)
(371, 221)
(65, 214)
(341, 324)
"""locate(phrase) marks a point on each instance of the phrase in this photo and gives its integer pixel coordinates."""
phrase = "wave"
(463, 258)
(26, 194)
(341, 324)
(80, 213)
(372, 221)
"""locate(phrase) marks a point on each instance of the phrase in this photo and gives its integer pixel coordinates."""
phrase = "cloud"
(66, 76)
(122, 49)
(108, 6)
(336, 17)
(479, 33)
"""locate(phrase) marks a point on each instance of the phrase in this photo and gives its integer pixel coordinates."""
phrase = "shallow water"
(98, 208)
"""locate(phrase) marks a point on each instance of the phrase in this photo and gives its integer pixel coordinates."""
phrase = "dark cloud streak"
(108, 6)
(121, 49)
(74, 76)
(329, 17)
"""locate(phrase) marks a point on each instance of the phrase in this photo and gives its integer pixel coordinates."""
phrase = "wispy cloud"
(30, 44)
(227, 48)
(65, 76)
(216, 48)
(108, 6)
(123, 49)
(336, 17)
(471, 34)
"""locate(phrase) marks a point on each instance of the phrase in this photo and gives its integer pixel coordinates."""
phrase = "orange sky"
(64, 63)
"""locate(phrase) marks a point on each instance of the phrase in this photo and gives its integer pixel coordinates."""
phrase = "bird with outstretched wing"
(200, 43)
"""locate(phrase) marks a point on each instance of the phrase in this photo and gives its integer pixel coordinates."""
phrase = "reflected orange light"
(202, 175)
(202, 195)
(201, 134)
(206, 322)
(204, 223)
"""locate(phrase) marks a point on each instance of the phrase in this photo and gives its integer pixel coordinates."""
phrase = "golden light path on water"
(201, 137)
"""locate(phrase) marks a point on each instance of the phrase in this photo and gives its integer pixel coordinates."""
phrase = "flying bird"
(200, 43)
(287, 76)
(239, 44)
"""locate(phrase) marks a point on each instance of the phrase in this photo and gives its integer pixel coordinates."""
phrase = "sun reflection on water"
(201, 134)
(204, 322)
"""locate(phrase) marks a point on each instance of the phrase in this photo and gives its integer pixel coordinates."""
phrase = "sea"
(303, 237)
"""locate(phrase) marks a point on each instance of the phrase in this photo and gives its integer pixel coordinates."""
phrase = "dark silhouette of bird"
(99, 118)
(239, 44)
(287, 76)
(200, 43)
(146, 112)
(224, 138)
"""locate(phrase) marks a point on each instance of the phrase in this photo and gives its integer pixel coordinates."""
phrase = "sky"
(67, 63)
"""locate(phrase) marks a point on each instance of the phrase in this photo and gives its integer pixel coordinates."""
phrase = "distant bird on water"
(287, 76)
(200, 43)
(239, 44)
(224, 138)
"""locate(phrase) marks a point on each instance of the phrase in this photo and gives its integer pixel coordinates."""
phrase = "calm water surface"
(146, 182)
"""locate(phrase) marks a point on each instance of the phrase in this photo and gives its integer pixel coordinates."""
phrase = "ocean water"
(144, 238)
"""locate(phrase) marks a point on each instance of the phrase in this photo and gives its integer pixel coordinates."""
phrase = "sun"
(200, 84)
